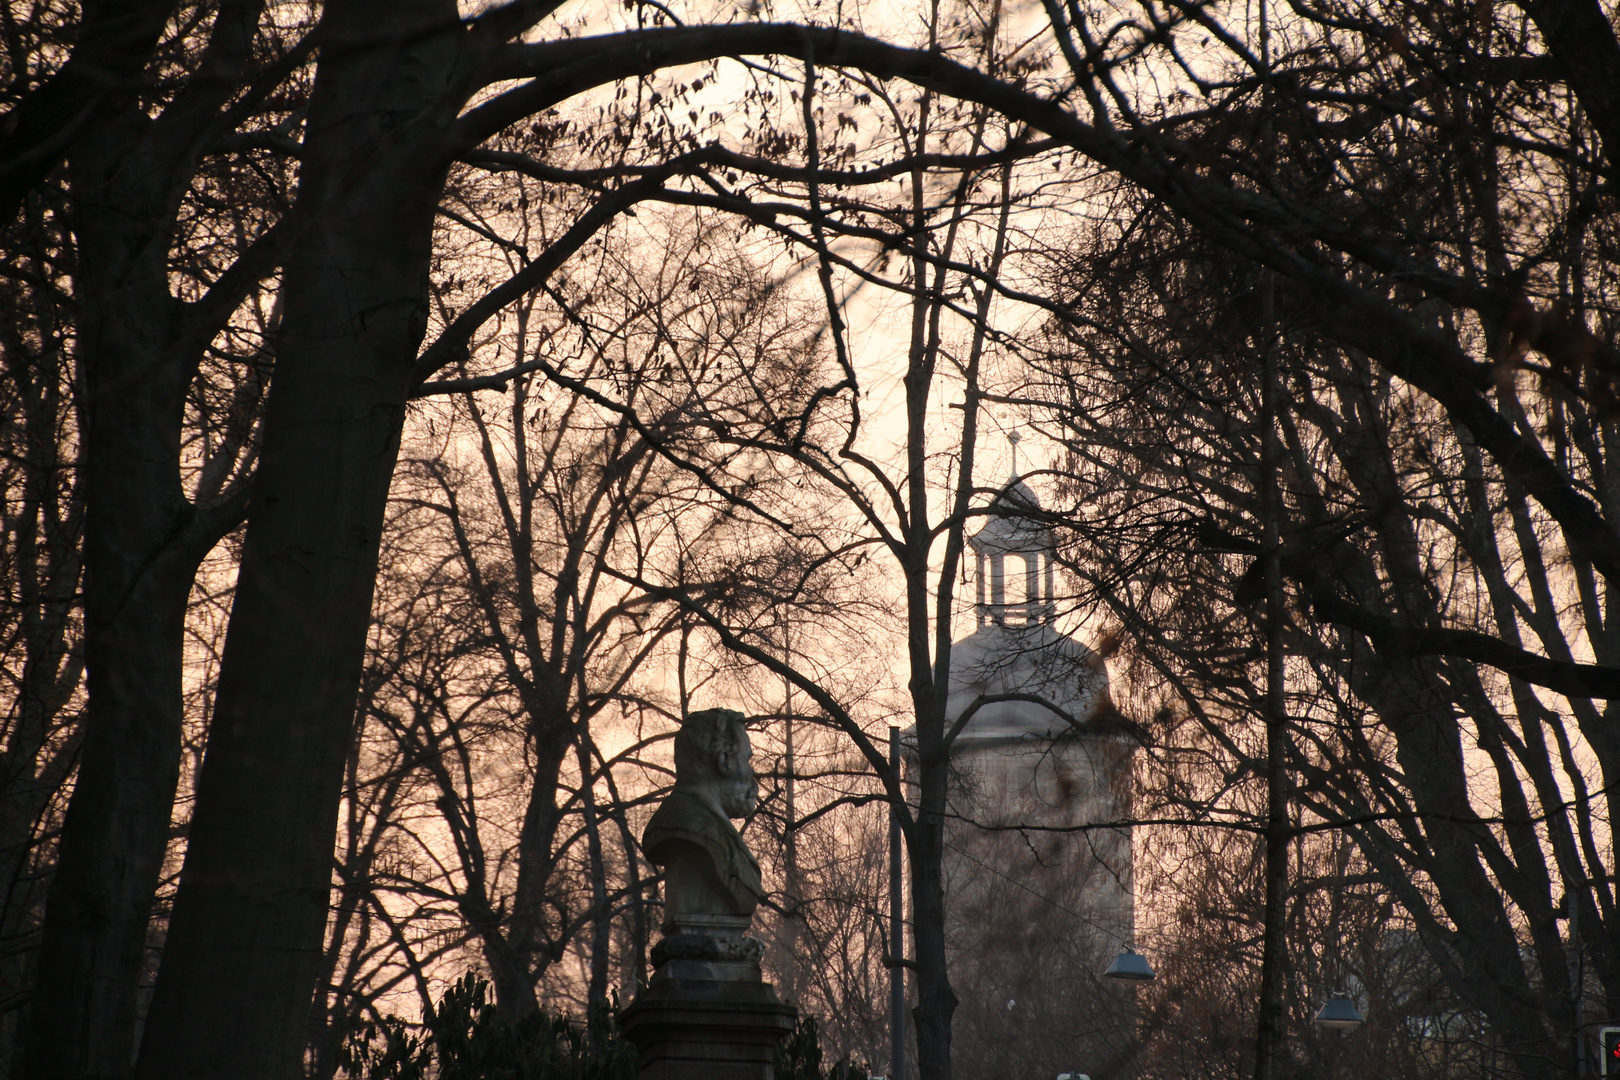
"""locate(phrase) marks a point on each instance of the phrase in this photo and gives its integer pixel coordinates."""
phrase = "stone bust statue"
(711, 879)
(708, 869)
(707, 1011)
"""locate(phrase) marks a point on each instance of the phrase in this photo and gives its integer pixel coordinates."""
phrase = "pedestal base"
(706, 1029)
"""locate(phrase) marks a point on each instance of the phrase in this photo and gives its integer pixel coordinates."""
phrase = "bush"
(468, 1038)
(799, 1057)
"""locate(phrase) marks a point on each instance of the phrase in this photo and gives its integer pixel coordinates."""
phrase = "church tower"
(1039, 879)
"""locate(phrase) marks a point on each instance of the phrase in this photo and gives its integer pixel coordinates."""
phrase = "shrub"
(468, 1038)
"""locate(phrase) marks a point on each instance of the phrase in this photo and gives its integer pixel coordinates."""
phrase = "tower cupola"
(1016, 646)
(1013, 553)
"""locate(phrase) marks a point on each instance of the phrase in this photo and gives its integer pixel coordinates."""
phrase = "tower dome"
(1015, 647)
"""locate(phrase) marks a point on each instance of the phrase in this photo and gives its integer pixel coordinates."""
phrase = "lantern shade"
(1339, 1013)
(1131, 967)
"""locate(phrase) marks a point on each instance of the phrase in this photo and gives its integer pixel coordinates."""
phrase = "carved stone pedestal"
(707, 1018)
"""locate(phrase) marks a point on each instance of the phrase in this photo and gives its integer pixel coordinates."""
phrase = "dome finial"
(1014, 438)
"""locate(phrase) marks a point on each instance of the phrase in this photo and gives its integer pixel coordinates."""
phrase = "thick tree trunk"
(936, 1001)
(537, 854)
(137, 580)
(142, 545)
(245, 940)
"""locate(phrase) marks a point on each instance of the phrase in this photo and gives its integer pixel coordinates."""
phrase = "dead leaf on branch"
(1575, 359)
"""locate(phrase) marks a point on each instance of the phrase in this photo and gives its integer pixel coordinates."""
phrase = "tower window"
(1016, 588)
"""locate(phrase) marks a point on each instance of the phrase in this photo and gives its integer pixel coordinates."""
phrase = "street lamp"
(1339, 1013)
(1130, 966)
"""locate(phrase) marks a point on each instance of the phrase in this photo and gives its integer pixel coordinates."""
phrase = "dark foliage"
(800, 1057)
(468, 1038)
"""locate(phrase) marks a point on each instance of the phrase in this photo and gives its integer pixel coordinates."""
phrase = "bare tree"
(41, 683)
(909, 511)
(182, 164)
(520, 672)
(162, 281)
(1451, 782)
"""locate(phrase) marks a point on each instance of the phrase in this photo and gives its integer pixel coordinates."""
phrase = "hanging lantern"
(1130, 966)
(1339, 1013)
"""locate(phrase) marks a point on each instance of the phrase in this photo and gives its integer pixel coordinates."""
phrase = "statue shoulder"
(685, 828)
(682, 817)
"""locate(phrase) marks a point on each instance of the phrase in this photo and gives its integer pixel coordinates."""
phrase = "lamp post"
(1571, 909)
(897, 931)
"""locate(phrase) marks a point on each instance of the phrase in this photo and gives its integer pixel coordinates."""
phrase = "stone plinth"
(689, 1025)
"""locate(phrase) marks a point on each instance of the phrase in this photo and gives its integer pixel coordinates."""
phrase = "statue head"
(712, 754)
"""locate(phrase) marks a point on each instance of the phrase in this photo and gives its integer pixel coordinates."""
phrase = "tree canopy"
(392, 392)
